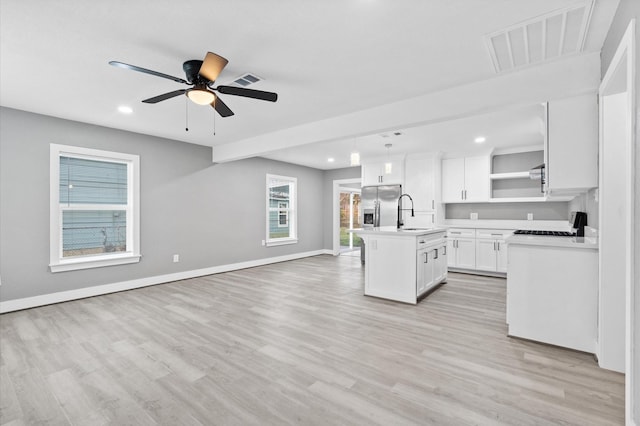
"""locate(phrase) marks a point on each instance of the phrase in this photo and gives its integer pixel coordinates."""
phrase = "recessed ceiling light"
(125, 109)
(331, 159)
(480, 139)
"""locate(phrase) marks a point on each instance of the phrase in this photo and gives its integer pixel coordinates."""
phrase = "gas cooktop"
(545, 233)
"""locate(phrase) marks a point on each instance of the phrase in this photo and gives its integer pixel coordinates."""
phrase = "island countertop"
(402, 232)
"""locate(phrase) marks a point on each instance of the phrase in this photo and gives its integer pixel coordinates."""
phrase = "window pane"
(278, 193)
(92, 182)
(93, 232)
(277, 230)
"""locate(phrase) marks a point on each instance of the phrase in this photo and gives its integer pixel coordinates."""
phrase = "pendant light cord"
(186, 115)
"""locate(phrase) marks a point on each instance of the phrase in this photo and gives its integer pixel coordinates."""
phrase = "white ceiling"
(324, 59)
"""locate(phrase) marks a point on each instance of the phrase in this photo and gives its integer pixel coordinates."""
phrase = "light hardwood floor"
(292, 343)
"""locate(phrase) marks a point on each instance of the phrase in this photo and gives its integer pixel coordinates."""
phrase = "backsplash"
(510, 211)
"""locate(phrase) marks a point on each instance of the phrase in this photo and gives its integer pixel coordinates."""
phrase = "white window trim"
(292, 212)
(56, 262)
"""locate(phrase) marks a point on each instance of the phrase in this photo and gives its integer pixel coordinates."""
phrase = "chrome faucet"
(400, 223)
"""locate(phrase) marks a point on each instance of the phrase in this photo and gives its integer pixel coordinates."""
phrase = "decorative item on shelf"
(355, 155)
(388, 166)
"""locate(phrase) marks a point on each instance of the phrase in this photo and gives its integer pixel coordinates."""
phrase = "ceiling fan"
(201, 75)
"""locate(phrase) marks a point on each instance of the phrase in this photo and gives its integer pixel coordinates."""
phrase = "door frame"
(611, 84)
(336, 212)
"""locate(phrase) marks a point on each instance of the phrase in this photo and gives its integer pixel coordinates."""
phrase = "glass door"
(349, 219)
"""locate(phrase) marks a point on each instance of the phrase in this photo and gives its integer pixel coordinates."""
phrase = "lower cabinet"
(431, 266)
(491, 249)
(478, 249)
(461, 248)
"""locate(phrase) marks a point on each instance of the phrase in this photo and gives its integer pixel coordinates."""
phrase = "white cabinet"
(431, 264)
(401, 265)
(465, 180)
(491, 249)
(552, 295)
(461, 248)
(422, 181)
(375, 172)
(571, 148)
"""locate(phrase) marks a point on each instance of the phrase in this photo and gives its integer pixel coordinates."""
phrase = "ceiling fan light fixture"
(201, 96)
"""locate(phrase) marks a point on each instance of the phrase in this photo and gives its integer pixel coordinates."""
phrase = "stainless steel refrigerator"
(378, 207)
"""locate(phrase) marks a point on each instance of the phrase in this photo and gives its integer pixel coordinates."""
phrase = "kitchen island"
(403, 264)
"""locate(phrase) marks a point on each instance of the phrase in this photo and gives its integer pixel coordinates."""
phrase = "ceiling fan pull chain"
(214, 116)
(186, 114)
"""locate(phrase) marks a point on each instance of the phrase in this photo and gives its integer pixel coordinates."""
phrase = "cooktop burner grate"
(545, 233)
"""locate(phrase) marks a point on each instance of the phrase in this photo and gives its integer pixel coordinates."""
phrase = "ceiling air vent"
(556, 34)
(246, 80)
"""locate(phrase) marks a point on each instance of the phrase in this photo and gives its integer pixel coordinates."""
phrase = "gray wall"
(509, 211)
(209, 214)
(327, 200)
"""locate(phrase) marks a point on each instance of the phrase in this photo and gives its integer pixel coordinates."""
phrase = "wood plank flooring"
(292, 343)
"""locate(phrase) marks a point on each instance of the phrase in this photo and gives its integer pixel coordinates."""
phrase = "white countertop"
(549, 241)
(547, 225)
(392, 230)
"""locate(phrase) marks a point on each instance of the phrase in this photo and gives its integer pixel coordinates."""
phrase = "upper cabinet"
(465, 180)
(377, 173)
(571, 148)
(422, 181)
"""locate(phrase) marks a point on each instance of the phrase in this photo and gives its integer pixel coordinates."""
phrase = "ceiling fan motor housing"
(191, 69)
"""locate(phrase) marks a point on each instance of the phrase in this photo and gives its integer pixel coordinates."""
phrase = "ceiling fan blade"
(221, 108)
(212, 66)
(146, 71)
(164, 97)
(248, 93)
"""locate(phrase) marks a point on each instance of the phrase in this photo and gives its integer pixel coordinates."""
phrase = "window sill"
(281, 242)
(94, 262)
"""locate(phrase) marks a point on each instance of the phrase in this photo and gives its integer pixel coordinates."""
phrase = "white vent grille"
(556, 34)
(246, 80)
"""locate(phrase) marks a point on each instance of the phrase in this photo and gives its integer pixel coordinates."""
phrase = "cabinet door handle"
(433, 220)
(462, 194)
(426, 257)
(444, 250)
(498, 245)
(494, 246)
(465, 194)
(433, 204)
(436, 255)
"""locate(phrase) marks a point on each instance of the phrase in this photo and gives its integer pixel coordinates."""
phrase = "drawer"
(461, 233)
(493, 234)
(424, 241)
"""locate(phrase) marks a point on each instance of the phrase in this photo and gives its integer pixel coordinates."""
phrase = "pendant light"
(388, 166)
(355, 155)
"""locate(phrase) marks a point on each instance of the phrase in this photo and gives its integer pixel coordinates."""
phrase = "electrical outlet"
(474, 216)
(176, 258)
(529, 216)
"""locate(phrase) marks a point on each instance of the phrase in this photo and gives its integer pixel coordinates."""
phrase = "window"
(93, 208)
(281, 210)
(283, 215)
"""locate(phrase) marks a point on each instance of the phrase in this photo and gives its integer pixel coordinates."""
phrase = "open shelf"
(511, 175)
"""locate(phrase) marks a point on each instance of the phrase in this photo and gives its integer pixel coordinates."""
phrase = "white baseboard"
(65, 296)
